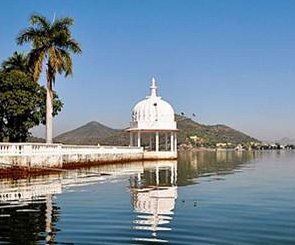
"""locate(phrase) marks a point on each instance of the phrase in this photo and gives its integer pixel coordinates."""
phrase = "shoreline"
(24, 158)
(8, 171)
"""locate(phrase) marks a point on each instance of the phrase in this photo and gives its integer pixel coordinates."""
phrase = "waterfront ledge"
(40, 155)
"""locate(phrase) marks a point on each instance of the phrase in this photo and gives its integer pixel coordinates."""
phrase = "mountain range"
(285, 141)
(97, 133)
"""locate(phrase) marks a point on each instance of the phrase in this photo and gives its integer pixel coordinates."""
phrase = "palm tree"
(52, 44)
(18, 61)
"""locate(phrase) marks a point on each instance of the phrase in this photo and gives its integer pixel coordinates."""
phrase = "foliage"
(18, 61)
(52, 44)
(22, 105)
(52, 41)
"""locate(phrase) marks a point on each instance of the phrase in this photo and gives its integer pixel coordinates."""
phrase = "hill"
(91, 133)
(189, 132)
(33, 139)
(285, 141)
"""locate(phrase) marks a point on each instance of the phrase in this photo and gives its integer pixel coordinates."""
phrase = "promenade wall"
(40, 155)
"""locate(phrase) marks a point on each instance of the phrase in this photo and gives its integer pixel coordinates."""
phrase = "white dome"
(153, 113)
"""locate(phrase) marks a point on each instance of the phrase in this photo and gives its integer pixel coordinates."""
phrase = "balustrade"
(14, 149)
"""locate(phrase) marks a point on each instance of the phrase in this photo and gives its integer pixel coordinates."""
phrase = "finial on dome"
(153, 88)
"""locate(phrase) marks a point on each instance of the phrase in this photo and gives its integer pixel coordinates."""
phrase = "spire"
(153, 88)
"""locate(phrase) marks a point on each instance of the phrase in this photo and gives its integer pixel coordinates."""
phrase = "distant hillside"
(285, 141)
(34, 139)
(90, 133)
(189, 131)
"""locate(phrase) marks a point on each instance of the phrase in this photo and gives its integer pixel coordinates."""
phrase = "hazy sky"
(228, 62)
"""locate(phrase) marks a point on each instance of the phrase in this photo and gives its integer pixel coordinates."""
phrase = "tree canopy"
(52, 44)
(22, 105)
(18, 61)
(52, 41)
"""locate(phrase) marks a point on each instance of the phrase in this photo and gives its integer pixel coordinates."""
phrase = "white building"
(154, 119)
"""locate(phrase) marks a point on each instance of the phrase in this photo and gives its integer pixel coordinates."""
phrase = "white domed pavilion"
(154, 118)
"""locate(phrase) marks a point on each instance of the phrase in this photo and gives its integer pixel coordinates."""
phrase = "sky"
(229, 62)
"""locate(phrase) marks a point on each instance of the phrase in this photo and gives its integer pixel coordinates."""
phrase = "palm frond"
(41, 21)
(51, 40)
(73, 46)
(67, 63)
(18, 61)
(62, 24)
(28, 35)
(36, 58)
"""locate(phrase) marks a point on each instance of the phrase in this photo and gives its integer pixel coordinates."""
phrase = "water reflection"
(192, 165)
(29, 213)
(26, 210)
(153, 199)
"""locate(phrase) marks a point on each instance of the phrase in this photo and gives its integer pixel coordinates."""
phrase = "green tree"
(52, 42)
(18, 61)
(22, 105)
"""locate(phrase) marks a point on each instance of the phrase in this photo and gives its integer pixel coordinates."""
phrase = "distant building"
(239, 147)
(224, 145)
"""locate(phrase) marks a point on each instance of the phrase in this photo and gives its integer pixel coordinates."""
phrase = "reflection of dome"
(154, 204)
(156, 201)
(155, 207)
(153, 113)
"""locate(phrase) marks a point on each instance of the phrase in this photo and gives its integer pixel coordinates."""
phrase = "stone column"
(131, 139)
(157, 175)
(151, 145)
(172, 176)
(175, 141)
(166, 142)
(138, 139)
(171, 141)
(157, 141)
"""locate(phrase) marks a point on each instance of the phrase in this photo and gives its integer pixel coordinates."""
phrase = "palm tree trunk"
(49, 110)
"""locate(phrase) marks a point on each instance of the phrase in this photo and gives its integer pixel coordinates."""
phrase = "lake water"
(204, 198)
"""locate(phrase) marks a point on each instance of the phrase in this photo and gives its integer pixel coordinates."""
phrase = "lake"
(203, 198)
